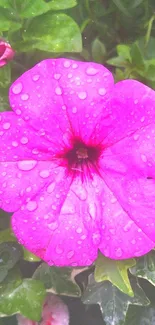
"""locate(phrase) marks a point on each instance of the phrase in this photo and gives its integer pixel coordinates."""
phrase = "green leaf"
(115, 272)
(62, 4)
(4, 102)
(140, 315)
(28, 256)
(54, 33)
(119, 4)
(98, 51)
(5, 76)
(124, 51)
(113, 303)
(7, 21)
(10, 254)
(136, 3)
(136, 56)
(117, 62)
(59, 280)
(25, 297)
(145, 267)
(150, 72)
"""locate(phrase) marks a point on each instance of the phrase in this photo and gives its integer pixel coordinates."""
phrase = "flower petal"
(130, 108)
(64, 228)
(67, 94)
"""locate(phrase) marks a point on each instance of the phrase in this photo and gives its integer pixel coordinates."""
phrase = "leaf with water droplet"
(21, 296)
(145, 267)
(10, 254)
(28, 256)
(59, 280)
(113, 303)
(115, 272)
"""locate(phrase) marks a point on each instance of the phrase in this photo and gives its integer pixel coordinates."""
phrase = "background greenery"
(121, 35)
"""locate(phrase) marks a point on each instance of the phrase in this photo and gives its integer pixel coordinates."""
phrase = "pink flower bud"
(6, 53)
(54, 312)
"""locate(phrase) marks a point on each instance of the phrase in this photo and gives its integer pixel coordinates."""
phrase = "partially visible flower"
(55, 312)
(6, 53)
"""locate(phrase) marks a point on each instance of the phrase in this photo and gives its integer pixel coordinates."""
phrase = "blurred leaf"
(140, 315)
(120, 5)
(10, 254)
(118, 62)
(136, 56)
(145, 267)
(119, 75)
(5, 76)
(113, 303)
(7, 235)
(148, 50)
(124, 51)
(98, 51)
(7, 22)
(150, 72)
(54, 33)
(115, 272)
(136, 3)
(25, 297)
(4, 102)
(28, 256)
(32, 8)
(59, 280)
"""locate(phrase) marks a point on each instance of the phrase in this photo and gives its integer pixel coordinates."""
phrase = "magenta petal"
(70, 94)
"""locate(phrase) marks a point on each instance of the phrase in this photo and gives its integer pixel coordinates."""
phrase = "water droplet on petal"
(82, 95)
(136, 136)
(27, 164)
(144, 158)
(18, 111)
(31, 205)
(24, 96)
(24, 140)
(36, 77)
(133, 241)
(53, 225)
(57, 76)
(142, 119)
(74, 65)
(119, 252)
(14, 143)
(58, 91)
(6, 126)
(70, 254)
(51, 187)
(79, 230)
(59, 250)
(17, 88)
(91, 71)
(67, 64)
(44, 173)
(102, 91)
(74, 110)
(28, 189)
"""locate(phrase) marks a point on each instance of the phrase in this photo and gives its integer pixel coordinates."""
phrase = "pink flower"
(77, 163)
(55, 312)
(6, 53)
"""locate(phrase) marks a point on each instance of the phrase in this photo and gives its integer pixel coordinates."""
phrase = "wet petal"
(130, 107)
(57, 92)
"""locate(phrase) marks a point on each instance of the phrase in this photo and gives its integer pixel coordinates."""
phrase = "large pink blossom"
(77, 163)
(54, 312)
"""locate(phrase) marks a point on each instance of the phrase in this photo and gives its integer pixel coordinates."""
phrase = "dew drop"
(36, 77)
(102, 91)
(27, 164)
(70, 254)
(70, 75)
(59, 250)
(53, 225)
(24, 140)
(82, 95)
(136, 136)
(14, 143)
(144, 158)
(24, 96)
(119, 252)
(79, 230)
(74, 65)
(91, 71)
(51, 187)
(58, 91)
(6, 126)
(18, 111)
(31, 205)
(44, 173)
(17, 88)
(67, 64)
(74, 110)
(142, 119)
(57, 76)
(28, 189)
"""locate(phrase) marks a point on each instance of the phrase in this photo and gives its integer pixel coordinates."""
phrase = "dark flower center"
(82, 159)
